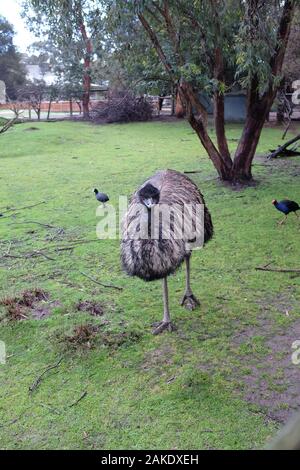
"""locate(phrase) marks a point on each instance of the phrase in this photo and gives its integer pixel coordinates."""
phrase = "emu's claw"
(189, 301)
(161, 326)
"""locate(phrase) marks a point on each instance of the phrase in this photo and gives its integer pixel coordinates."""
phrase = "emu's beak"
(149, 203)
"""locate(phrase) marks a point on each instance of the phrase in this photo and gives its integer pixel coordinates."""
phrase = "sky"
(10, 9)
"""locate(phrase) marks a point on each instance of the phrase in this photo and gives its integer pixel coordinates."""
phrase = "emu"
(152, 258)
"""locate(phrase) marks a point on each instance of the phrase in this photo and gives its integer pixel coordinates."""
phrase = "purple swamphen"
(286, 207)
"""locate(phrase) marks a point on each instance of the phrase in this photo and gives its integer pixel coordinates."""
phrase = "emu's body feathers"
(150, 258)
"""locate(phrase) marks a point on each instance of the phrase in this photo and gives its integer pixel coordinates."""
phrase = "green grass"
(173, 391)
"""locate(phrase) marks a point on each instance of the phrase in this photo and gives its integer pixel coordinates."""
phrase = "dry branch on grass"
(39, 379)
(277, 270)
(44, 252)
(35, 222)
(11, 209)
(8, 124)
(82, 396)
(31, 254)
(111, 286)
(283, 149)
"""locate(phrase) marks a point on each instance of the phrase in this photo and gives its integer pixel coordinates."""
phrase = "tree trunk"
(219, 116)
(86, 91)
(49, 109)
(173, 101)
(71, 107)
(79, 106)
(257, 110)
(86, 73)
(179, 109)
(223, 164)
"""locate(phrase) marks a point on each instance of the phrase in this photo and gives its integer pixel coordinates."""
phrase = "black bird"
(101, 197)
(286, 207)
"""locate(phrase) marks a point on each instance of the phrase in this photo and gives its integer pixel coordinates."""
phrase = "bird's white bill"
(149, 203)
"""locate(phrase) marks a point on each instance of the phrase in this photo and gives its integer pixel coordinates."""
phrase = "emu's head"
(149, 195)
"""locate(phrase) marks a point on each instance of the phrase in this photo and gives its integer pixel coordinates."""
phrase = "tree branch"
(156, 44)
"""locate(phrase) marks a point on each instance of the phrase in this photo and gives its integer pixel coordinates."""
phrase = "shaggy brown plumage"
(156, 258)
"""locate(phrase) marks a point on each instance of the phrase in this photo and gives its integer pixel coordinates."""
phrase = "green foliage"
(128, 51)
(60, 22)
(256, 42)
(12, 71)
(245, 32)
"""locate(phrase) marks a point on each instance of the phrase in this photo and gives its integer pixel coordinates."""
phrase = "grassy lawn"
(197, 388)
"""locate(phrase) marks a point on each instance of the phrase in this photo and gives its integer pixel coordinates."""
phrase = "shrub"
(123, 107)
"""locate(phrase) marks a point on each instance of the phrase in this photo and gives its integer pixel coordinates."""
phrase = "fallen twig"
(34, 222)
(31, 254)
(8, 124)
(77, 242)
(40, 253)
(277, 270)
(82, 396)
(37, 382)
(100, 283)
(13, 421)
(12, 209)
(11, 215)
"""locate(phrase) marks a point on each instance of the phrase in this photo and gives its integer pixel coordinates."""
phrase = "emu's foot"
(161, 326)
(189, 301)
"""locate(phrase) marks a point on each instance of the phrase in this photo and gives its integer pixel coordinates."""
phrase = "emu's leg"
(189, 300)
(165, 324)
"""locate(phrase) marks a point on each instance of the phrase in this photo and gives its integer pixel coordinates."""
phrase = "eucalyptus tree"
(212, 46)
(131, 61)
(12, 71)
(72, 30)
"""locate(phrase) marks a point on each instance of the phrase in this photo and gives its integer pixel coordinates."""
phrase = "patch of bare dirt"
(158, 358)
(93, 308)
(116, 340)
(272, 382)
(88, 336)
(289, 165)
(283, 302)
(32, 128)
(33, 303)
(43, 310)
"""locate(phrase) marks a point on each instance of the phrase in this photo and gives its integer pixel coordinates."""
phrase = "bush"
(123, 107)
